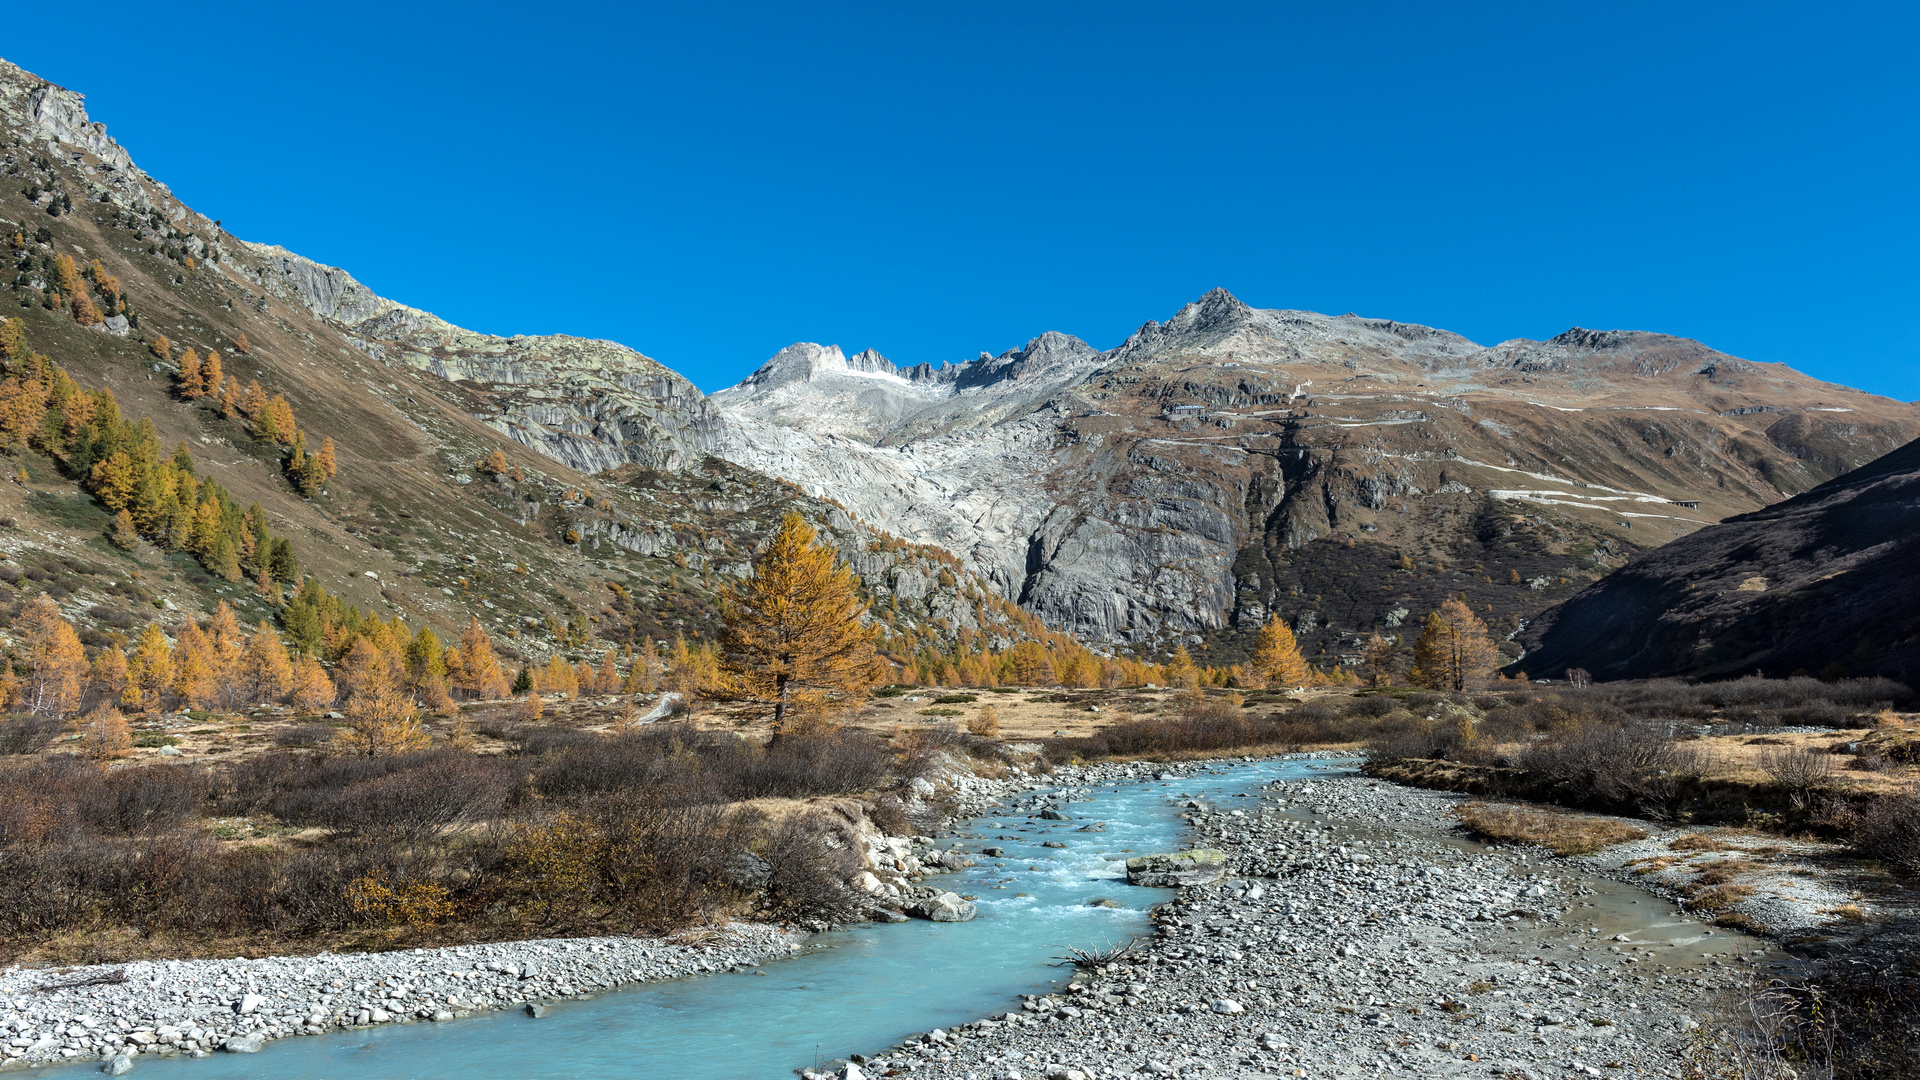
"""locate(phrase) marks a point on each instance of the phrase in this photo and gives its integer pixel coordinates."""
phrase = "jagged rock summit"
(1212, 470)
(1232, 462)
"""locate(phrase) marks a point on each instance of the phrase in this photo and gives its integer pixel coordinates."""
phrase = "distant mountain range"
(1222, 467)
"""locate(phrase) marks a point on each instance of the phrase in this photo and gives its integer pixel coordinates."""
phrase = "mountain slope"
(599, 443)
(1826, 581)
(1213, 470)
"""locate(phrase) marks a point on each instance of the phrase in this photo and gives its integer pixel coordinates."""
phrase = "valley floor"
(1387, 945)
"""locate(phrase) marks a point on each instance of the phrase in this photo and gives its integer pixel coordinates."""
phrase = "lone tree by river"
(794, 636)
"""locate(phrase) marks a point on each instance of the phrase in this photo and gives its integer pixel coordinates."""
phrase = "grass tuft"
(1561, 833)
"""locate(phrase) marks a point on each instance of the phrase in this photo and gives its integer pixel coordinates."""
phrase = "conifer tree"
(109, 682)
(1276, 655)
(241, 344)
(1453, 651)
(121, 532)
(84, 312)
(212, 382)
(479, 675)
(382, 721)
(192, 669)
(1180, 671)
(150, 668)
(253, 402)
(161, 347)
(264, 669)
(1377, 661)
(56, 662)
(426, 660)
(104, 733)
(795, 624)
(192, 384)
(324, 459)
(313, 691)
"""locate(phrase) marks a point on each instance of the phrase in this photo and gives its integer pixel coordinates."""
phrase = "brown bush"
(1795, 768)
(1615, 766)
(808, 869)
(1888, 829)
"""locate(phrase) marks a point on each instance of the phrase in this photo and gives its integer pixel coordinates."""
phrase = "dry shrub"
(1628, 767)
(426, 794)
(1719, 897)
(303, 735)
(25, 733)
(1887, 829)
(1561, 833)
(809, 864)
(1795, 768)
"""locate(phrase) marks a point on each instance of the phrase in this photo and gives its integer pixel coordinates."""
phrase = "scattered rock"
(1200, 866)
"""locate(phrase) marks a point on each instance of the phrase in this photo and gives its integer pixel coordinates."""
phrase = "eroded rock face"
(594, 405)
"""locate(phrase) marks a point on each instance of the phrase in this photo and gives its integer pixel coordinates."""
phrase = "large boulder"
(1196, 867)
(944, 907)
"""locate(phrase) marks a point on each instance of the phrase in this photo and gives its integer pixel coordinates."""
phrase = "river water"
(855, 991)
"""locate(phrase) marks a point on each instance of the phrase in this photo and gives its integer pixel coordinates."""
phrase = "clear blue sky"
(710, 182)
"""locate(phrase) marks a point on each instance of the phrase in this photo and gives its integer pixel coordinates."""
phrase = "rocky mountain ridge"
(1211, 470)
(607, 480)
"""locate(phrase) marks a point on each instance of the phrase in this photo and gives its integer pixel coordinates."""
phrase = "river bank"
(1383, 944)
(193, 1008)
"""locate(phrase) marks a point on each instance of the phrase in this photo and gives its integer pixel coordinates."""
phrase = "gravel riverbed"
(195, 1007)
(1357, 935)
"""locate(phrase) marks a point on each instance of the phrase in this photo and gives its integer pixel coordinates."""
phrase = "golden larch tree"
(795, 624)
(382, 721)
(192, 676)
(212, 382)
(478, 673)
(108, 681)
(192, 383)
(312, 690)
(1180, 670)
(254, 401)
(1276, 658)
(56, 661)
(264, 669)
(1453, 651)
(104, 733)
(149, 669)
(1376, 662)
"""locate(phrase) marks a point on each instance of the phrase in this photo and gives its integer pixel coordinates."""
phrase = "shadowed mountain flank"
(1825, 582)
